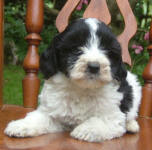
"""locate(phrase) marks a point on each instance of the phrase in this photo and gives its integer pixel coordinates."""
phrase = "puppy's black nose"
(93, 67)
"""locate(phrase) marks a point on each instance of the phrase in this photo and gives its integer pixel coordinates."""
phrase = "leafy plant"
(138, 48)
(15, 31)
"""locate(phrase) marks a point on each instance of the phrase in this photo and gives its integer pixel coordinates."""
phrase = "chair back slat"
(129, 30)
(98, 9)
(62, 19)
(1, 50)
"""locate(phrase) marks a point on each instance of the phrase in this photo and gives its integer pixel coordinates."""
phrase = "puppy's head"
(86, 52)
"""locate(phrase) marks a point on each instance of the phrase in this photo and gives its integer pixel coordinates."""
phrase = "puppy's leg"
(35, 123)
(132, 126)
(96, 130)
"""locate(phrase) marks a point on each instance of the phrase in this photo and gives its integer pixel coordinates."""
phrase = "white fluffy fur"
(79, 76)
(133, 82)
(94, 114)
(89, 108)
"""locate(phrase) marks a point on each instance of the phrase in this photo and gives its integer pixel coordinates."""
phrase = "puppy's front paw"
(132, 126)
(21, 128)
(85, 133)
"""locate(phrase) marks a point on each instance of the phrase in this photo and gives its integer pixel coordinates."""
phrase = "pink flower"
(146, 36)
(85, 2)
(79, 7)
(138, 48)
(134, 46)
(137, 51)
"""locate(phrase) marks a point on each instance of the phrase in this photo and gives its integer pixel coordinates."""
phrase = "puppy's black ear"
(119, 71)
(48, 61)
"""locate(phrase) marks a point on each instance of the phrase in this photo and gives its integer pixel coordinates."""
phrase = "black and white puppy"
(87, 89)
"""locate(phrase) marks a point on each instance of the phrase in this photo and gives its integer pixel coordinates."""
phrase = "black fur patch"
(64, 49)
(126, 102)
(48, 61)
(112, 48)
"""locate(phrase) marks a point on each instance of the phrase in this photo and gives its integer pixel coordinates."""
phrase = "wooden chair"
(31, 83)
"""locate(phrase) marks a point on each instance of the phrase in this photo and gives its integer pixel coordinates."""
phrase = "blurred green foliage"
(15, 30)
(143, 13)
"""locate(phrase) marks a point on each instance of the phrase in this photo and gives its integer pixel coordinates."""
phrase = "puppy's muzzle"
(93, 67)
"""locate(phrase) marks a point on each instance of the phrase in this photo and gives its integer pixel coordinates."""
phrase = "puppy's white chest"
(69, 104)
(76, 111)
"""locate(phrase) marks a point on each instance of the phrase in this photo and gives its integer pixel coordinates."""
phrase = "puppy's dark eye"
(77, 51)
(74, 51)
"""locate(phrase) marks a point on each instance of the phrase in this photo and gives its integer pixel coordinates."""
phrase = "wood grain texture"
(34, 24)
(98, 9)
(146, 104)
(63, 141)
(129, 30)
(1, 51)
(34, 16)
(62, 19)
(8, 113)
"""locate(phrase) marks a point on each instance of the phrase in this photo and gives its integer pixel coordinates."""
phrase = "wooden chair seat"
(8, 113)
(62, 141)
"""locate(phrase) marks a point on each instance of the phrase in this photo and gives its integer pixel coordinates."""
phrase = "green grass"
(12, 91)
